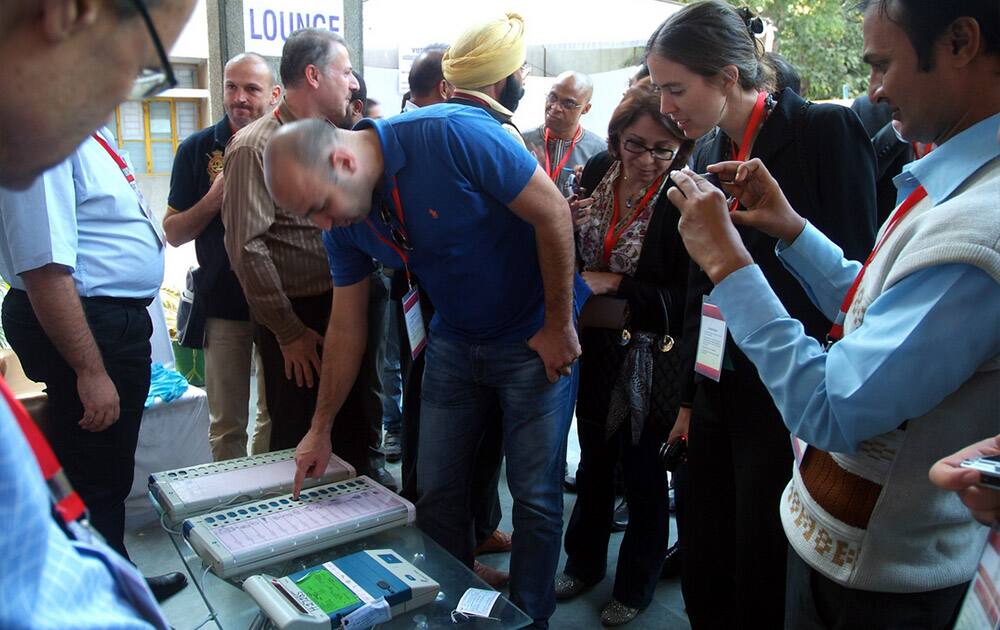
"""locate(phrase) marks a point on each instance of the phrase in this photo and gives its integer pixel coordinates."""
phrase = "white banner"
(268, 23)
(407, 55)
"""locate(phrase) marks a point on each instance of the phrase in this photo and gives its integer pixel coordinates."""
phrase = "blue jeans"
(389, 370)
(461, 382)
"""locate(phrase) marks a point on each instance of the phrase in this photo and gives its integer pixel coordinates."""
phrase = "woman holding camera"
(705, 61)
(632, 257)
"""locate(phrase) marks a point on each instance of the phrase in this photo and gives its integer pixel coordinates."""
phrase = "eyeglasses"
(633, 146)
(398, 237)
(525, 69)
(567, 103)
(150, 81)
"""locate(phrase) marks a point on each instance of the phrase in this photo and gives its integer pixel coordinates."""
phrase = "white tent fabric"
(584, 27)
(585, 24)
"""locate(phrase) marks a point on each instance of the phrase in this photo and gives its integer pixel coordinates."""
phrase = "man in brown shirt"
(279, 258)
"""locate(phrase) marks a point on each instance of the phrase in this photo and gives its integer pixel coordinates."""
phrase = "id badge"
(415, 330)
(711, 341)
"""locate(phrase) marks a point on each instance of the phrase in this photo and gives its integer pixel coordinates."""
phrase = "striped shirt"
(276, 255)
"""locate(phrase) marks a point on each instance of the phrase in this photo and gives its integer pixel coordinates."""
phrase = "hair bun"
(755, 25)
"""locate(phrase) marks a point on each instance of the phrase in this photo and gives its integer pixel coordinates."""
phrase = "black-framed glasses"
(566, 103)
(398, 237)
(151, 81)
(633, 146)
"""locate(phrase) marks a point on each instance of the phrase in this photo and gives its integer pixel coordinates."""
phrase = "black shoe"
(672, 563)
(620, 520)
(392, 447)
(167, 585)
(385, 478)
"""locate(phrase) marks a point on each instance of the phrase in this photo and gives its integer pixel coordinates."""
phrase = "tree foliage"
(822, 39)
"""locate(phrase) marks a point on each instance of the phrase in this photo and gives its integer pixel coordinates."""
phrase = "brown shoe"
(498, 542)
(496, 578)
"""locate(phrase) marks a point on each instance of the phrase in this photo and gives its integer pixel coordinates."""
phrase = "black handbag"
(191, 314)
(606, 349)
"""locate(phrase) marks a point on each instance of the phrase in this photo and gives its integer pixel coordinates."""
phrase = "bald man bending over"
(490, 240)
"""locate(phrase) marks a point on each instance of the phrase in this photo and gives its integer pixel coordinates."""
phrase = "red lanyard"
(612, 237)
(554, 174)
(402, 228)
(67, 502)
(920, 150)
(117, 158)
(837, 331)
(756, 120)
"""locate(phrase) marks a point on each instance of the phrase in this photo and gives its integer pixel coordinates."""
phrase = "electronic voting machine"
(188, 491)
(244, 537)
(321, 596)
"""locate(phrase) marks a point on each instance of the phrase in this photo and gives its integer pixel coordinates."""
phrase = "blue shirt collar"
(947, 167)
(393, 157)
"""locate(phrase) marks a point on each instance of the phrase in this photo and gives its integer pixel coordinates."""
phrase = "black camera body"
(673, 455)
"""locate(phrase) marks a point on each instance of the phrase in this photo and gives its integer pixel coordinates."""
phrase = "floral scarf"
(625, 254)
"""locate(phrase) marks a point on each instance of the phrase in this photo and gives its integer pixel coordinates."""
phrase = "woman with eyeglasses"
(705, 62)
(632, 257)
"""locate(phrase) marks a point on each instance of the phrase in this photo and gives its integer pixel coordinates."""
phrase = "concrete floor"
(154, 554)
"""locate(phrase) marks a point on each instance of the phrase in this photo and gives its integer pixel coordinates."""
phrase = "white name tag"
(711, 342)
(475, 602)
(415, 330)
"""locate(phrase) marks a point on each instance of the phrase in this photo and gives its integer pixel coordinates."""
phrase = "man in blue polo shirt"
(462, 206)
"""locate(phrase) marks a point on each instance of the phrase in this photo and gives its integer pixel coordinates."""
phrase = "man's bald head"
(568, 99)
(249, 89)
(310, 170)
(303, 145)
(89, 54)
(576, 81)
(427, 83)
(255, 61)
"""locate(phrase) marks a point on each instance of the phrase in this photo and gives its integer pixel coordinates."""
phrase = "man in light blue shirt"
(916, 374)
(50, 580)
(91, 54)
(84, 259)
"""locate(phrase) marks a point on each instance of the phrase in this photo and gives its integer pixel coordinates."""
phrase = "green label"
(329, 593)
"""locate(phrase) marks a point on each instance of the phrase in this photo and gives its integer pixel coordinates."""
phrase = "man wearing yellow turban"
(486, 64)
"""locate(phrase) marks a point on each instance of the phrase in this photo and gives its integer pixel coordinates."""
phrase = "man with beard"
(472, 68)
(465, 209)
(249, 91)
(562, 144)
(279, 258)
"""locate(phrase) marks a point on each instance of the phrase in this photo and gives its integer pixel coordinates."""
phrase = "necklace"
(631, 199)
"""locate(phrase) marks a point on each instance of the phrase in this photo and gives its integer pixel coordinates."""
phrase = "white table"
(172, 435)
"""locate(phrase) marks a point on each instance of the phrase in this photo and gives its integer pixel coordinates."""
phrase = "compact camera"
(989, 470)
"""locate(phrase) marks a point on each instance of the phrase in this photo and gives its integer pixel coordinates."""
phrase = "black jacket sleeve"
(846, 176)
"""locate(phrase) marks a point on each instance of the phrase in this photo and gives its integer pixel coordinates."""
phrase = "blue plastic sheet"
(165, 385)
